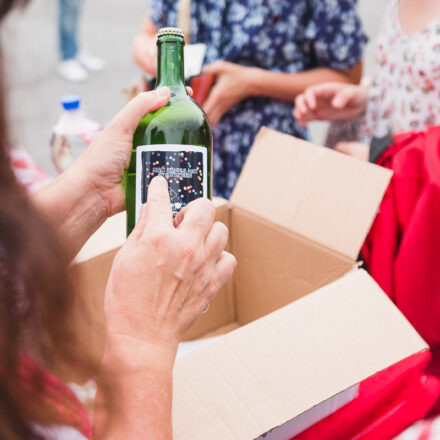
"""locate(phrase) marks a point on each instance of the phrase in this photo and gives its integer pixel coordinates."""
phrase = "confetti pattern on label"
(184, 171)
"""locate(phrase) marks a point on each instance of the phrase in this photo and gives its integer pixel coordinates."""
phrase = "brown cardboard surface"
(264, 374)
(92, 268)
(110, 236)
(277, 266)
(321, 194)
(90, 278)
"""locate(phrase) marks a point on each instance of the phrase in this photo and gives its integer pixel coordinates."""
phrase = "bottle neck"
(170, 70)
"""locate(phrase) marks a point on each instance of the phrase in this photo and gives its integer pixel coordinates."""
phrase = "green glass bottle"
(174, 141)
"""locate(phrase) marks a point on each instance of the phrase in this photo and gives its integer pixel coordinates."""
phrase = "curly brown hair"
(35, 293)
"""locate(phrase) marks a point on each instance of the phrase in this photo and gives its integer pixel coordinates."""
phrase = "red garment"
(59, 401)
(402, 249)
(201, 86)
(388, 403)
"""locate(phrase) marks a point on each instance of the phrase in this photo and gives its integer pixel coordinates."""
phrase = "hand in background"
(231, 86)
(330, 101)
(354, 149)
(167, 272)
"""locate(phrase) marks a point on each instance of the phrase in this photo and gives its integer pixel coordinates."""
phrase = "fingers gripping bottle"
(174, 141)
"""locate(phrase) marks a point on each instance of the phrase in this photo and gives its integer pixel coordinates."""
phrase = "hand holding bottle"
(167, 272)
(330, 101)
(108, 156)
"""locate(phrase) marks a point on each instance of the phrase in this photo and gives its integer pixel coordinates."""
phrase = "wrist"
(253, 80)
(81, 178)
(72, 207)
(132, 356)
(98, 193)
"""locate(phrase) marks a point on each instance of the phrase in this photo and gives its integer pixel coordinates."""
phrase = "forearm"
(286, 86)
(140, 383)
(144, 47)
(73, 207)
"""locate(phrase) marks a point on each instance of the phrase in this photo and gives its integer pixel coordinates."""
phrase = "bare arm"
(286, 86)
(141, 386)
(144, 47)
(235, 83)
(73, 207)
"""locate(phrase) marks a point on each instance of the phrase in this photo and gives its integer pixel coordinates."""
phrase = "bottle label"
(184, 166)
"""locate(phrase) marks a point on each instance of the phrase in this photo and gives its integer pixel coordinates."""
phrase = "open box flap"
(266, 373)
(110, 236)
(318, 193)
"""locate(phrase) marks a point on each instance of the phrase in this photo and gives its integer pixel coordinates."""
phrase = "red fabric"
(434, 370)
(388, 403)
(201, 86)
(59, 401)
(402, 250)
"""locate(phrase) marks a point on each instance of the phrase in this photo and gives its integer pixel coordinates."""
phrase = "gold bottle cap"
(170, 31)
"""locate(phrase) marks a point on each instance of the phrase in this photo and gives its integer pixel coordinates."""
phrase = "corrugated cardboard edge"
(231, 389)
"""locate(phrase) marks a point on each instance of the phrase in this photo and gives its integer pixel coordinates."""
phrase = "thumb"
(128, 118)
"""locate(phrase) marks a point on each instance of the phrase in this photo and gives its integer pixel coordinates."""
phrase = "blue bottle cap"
(71, 102)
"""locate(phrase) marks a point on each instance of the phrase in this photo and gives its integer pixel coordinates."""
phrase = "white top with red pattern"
(405, 88)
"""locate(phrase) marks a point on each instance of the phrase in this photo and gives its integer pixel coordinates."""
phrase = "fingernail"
(160, 178)
(162, 92)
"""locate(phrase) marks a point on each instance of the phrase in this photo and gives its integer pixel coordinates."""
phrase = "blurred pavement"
(107, 29)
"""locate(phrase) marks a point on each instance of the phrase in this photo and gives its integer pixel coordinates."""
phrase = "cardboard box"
(288, 357)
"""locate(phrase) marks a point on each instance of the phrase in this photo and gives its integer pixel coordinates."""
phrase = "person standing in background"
(262, 53)
(74, 64)
(403, 92)
(392, 117)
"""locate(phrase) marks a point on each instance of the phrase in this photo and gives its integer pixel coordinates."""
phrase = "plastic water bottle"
(72, 134)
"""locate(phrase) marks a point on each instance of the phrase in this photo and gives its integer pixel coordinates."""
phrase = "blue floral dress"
(277, 35)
